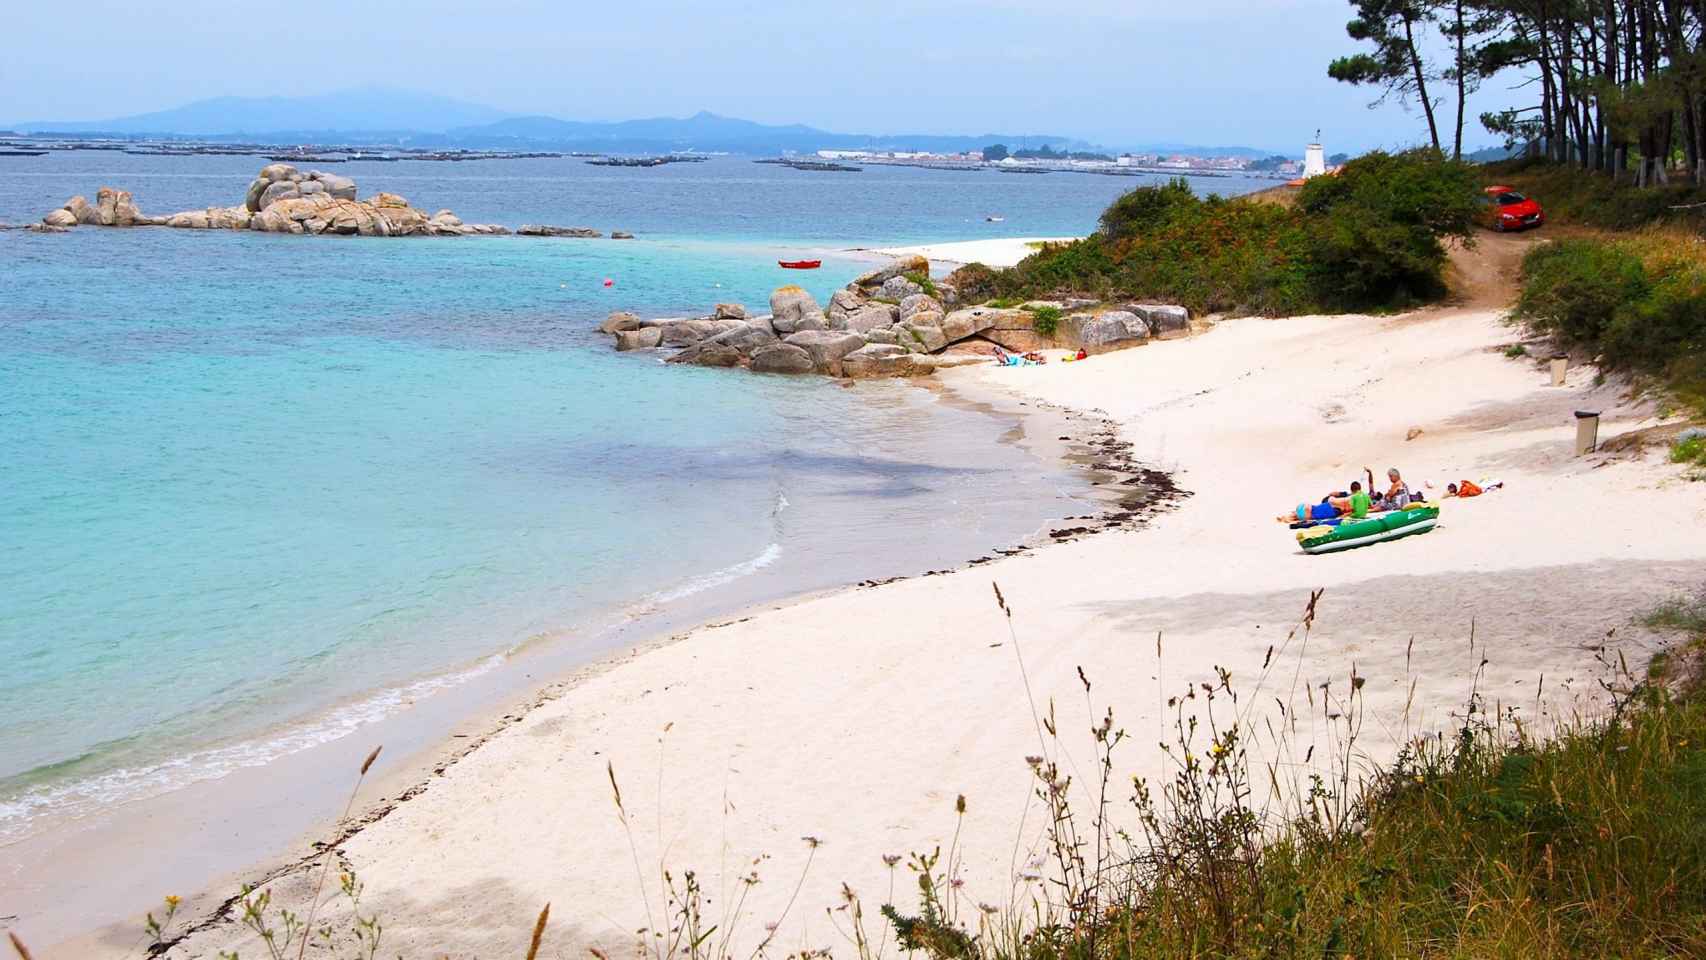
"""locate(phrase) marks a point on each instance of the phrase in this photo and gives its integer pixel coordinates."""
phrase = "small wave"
(79, 797)
(717, 578)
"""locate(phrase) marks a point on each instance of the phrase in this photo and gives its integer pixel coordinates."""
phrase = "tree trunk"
(1421, 84)
(1462, 94)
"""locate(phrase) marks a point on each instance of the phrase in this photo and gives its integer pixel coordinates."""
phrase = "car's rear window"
(1506, 199)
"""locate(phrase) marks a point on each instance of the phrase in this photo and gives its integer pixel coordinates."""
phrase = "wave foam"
(80, 797)
(718, 578)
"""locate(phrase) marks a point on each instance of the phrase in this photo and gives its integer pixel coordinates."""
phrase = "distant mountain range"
(367, 109)
(379, 116)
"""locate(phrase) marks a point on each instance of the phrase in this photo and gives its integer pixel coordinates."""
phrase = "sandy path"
(858, 717)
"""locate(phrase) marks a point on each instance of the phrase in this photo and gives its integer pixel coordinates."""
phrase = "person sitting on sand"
(1007, 359)
(1397, 495)
(1358, 504)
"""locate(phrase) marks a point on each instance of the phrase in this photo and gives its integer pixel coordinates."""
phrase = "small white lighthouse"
(1314, 159)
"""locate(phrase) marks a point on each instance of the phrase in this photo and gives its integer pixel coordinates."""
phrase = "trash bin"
(1559, 366)
(1587, 431)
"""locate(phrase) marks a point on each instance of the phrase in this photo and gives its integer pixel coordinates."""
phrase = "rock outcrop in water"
(280, 199)
(890, 322)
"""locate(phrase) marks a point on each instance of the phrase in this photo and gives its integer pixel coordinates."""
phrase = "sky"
(1115, 72)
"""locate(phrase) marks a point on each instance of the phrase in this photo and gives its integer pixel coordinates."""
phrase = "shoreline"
(1078, 444)
(803, 750)
(774, 713)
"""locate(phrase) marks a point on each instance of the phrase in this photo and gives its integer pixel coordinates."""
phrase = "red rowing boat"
(799, 264)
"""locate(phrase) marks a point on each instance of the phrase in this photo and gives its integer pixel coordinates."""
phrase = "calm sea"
(256, 491)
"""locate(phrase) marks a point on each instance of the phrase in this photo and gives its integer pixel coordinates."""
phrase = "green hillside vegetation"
(1636, 301)
(1371, 238)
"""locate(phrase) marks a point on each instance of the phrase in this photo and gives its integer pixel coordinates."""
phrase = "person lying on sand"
(1356, 503)
(1469, 488)
(1015, 359)
(1310, 512)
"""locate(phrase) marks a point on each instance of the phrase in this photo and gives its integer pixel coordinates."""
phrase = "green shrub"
(1638, 300)
(924, 282)
(975, 282)
(1045, 319)
(1669, 322)
(1147, 208)
(1516, 350)
(1689, 450)
(1573, 288)
(1369, 239)
(1376, 227)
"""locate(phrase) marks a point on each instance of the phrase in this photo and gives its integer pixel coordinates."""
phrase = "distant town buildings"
(1169, 163)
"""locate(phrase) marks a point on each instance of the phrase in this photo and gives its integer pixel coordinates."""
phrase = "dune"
(857, 718)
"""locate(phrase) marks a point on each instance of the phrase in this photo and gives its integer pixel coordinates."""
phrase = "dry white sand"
(858, 717)
(1000, 252)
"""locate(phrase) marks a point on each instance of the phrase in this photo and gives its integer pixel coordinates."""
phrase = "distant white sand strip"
(1001, 252)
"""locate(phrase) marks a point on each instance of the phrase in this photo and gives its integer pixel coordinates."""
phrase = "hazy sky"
(1200, 71)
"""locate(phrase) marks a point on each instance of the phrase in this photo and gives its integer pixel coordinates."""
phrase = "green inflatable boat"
(1360, 533)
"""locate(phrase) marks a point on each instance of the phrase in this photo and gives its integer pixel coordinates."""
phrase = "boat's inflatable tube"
(1360, 533)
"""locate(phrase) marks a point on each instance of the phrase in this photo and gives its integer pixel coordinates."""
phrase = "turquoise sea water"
(258, 490)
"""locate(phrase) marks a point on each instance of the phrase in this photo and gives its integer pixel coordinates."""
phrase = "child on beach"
(1468, 488)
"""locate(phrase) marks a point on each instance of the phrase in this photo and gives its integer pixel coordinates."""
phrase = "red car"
(1505, 209)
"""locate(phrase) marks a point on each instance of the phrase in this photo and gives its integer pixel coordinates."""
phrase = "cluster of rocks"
(887, 323)
(540, 230)
(281, 199)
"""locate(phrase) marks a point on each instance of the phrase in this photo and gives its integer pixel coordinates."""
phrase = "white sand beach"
(1001, 252)
(858, 717)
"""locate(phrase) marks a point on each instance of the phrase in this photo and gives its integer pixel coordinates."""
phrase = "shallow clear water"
(258, 490)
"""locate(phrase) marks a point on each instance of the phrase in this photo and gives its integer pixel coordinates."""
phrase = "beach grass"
(1484, 841)
(1271, 839)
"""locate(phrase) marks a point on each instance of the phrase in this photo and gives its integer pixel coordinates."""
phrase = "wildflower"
(812, 842)
(173, 901)
(891, 859)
